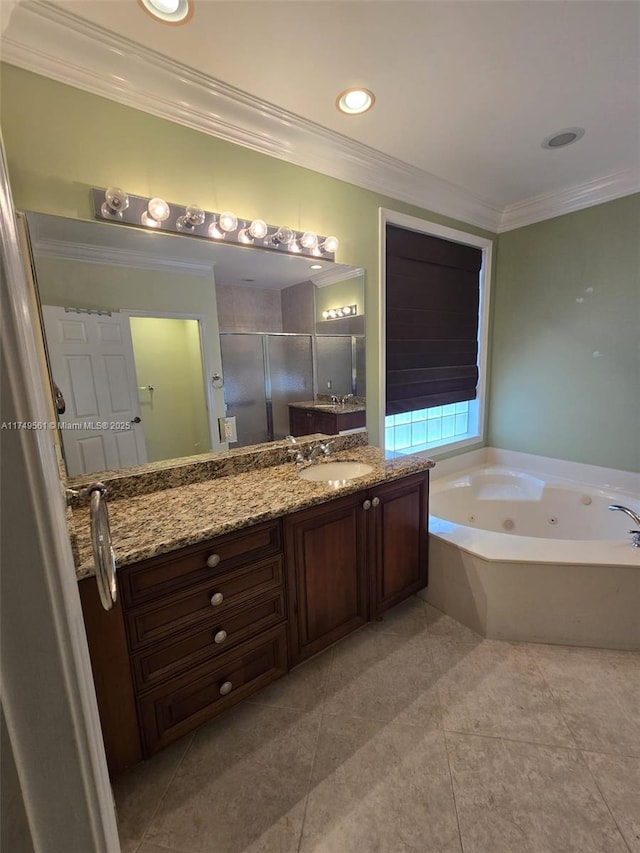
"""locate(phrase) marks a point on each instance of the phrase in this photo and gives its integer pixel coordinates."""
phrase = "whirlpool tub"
(520, 556)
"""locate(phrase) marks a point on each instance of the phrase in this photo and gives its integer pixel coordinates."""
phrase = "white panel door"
(92, 363)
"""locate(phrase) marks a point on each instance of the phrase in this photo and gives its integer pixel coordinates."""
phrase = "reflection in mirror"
(166, 346)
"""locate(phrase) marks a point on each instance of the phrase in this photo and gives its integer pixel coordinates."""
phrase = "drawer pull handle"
(213, 560)
(216, 599)
(220, 637)
(225, 688)
(366, 505)
(375, 502)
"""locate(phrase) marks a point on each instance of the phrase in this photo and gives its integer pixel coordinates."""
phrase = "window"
(435, 283)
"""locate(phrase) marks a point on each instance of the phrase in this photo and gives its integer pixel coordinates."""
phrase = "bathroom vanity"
(201, 626)
(314, 417)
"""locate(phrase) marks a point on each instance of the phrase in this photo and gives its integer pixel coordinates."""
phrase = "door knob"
(135, 420)
(375, 502)
(366, 504)
(213, 560)
(220, 637)
(225, 688)
(216, 599)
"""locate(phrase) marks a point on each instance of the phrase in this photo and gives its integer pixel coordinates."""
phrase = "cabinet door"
(325, 550)
(398, 542)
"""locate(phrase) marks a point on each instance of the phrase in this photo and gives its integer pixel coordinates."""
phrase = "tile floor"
(414, 734)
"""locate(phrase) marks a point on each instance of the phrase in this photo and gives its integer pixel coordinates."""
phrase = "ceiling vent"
(562, 138)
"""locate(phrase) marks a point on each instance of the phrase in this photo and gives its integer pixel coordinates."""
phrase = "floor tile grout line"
(527, 742)
(315, 748)
(453, 790)
(555, 698)
(604, 799)
(166, 790)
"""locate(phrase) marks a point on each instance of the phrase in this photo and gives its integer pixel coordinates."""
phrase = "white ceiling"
(465, 90)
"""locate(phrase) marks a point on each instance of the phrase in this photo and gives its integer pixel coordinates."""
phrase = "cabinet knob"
(225, 688)
(366, 504)
(220, 637)
(216, 599)
(213, 560)
(375, 502)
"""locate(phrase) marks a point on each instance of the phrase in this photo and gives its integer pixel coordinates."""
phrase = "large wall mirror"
(154, 339)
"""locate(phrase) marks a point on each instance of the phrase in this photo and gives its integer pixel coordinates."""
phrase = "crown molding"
(113, 257)
(549, 205)
(333, 276)
(49, 41)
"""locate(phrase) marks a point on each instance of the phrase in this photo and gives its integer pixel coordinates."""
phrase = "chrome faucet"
(320, 448)
(635, 534)
(295, 452)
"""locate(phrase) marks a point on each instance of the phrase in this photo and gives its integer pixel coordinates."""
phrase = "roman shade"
(432, 302)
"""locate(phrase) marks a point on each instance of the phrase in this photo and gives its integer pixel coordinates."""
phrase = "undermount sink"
(335, 472)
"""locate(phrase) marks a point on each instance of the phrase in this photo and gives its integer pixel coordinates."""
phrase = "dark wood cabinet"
(351, 559)
(107, 641)
(311, 421)
(197, 630)
(398, 545)
(327, 580)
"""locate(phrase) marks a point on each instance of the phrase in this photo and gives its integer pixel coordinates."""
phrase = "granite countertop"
(148, 525)
(332, 408)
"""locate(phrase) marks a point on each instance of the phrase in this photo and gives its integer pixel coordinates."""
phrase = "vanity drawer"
(180, 705)
(159, 576)
(155, 621)
(194, 647)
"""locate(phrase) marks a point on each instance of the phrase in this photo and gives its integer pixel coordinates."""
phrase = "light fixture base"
(206, 227)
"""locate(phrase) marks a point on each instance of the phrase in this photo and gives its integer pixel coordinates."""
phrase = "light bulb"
(325, 315)
(258, 229)
(294, 246)
(115, 201)
(169, 11)
(283, 235)
(228, 221)
(308, 240)
(330, 244)
(214, 231)
(169, 7)
(158, 209)
(346, 310)
(244, 236)
(355, 101)
(149, 221)
(194, 215)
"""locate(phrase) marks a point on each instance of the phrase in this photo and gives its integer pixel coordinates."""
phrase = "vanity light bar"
(115, 205)
(337, 313)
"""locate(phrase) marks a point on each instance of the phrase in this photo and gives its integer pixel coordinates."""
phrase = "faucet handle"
(296, 455)
(291, 439)
(326, 447)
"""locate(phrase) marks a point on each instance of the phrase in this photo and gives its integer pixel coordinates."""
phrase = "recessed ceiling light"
(562, 138)
(315, 266)
(355, 101)
(168, 11)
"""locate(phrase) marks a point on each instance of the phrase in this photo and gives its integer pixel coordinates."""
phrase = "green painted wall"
(61, 141)
(566, 337)
(174, 415)
(349, 292)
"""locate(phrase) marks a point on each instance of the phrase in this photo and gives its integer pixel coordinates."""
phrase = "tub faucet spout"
(635, 534)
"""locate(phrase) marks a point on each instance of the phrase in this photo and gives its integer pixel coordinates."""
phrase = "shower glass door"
(263, 373)
(244, 386)
(290, 374)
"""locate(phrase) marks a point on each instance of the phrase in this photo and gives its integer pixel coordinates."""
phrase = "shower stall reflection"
(263, 373)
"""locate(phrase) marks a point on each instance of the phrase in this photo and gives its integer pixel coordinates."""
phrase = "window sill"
(437, 448)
